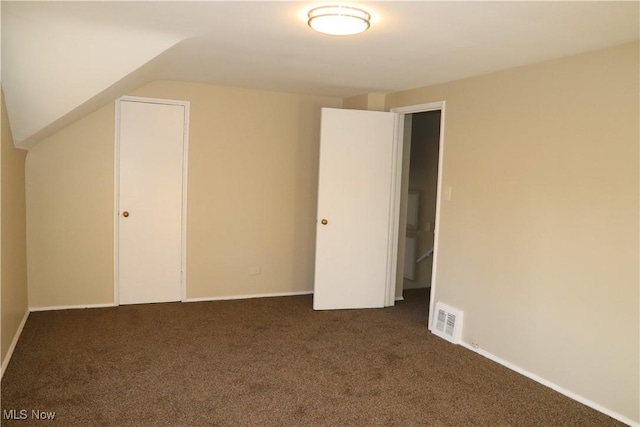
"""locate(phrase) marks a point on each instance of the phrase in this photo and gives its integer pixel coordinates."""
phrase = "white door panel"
(354, 196)
(151, 143)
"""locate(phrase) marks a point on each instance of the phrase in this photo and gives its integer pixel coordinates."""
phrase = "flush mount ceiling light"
(338, 20)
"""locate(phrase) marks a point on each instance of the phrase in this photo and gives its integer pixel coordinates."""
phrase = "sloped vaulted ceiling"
(62, 60)
(54, 63)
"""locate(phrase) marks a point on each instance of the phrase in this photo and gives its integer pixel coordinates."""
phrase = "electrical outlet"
(254, 271)
(475, 343)
(447, 193)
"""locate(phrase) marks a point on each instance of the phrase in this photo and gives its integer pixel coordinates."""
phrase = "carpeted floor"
(266, 362)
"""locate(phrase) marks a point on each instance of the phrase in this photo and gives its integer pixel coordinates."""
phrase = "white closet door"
(151, 138)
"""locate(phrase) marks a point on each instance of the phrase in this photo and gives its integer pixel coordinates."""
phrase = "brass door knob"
(324, 222)
(125, 214)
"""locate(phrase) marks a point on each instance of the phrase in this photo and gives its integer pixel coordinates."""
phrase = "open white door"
(355, 209)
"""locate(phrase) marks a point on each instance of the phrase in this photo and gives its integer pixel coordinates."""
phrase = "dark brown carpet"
(266, 362)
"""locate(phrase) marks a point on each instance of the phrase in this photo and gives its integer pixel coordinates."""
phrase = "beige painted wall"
(69, 178)
(539, 244)
(357, 102)
(253, 159)
(365, 101)
(13, 248)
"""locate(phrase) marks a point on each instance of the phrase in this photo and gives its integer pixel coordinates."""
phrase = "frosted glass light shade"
(339, 20)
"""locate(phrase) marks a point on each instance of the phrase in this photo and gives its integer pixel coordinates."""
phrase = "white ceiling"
(268, 45)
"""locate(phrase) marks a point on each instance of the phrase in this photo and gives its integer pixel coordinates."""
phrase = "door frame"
(116, 192)
(397, 194)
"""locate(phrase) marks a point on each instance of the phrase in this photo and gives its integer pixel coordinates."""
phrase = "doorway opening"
(421, 199)
(419, 206)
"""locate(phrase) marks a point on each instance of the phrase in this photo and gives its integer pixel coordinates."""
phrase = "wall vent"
(448, 323)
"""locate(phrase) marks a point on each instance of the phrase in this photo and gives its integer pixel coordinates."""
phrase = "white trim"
(421, 108)
(14, 342)
(550, 384)
(250, 296)
(71, 307)
(151, 100)
(116, 203)
(394, 209)
(436, 228)
(185, 167)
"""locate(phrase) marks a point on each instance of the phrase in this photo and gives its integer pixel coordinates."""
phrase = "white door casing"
(357, 179)
(151, 143)
(420, 108)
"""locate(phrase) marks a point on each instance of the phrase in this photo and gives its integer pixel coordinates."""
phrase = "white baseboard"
(224, 298)
(234, 297)
(551, 385)
(12, 347)
(71, 307)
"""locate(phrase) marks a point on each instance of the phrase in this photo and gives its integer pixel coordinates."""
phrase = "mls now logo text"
(23, 414)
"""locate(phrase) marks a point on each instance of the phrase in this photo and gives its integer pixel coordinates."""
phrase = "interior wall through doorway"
(422, 193)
